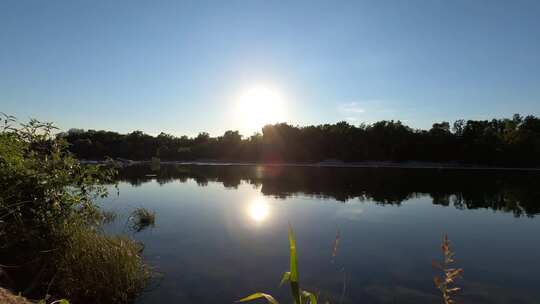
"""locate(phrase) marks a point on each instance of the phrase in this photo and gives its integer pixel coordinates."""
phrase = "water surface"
(221, 231)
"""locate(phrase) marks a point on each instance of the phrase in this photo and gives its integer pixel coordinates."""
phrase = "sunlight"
(260, 105)
(258, 210)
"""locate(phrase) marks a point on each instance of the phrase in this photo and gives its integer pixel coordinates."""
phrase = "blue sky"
(179, 66)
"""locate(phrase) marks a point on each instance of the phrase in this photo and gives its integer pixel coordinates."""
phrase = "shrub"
(50, 227)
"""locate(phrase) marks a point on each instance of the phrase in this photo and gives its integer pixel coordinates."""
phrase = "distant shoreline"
(329, 164)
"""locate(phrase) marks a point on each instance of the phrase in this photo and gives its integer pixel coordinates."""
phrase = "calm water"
(221, 231)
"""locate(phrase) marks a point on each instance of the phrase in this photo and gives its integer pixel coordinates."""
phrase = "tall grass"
(445, 282)
(97, 268)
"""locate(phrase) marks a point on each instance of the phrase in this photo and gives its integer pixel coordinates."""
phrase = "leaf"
(259, 295)
(308, 295)
(286, 278)
(293, 277)
(293, 259)
(295, 290)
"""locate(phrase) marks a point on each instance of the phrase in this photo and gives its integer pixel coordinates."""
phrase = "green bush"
(50, 237)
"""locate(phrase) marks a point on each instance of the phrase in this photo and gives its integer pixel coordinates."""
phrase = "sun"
(259, 105)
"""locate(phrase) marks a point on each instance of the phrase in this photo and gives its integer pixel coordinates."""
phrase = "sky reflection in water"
(216, 240)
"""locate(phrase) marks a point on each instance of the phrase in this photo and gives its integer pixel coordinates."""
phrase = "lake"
(221, 231)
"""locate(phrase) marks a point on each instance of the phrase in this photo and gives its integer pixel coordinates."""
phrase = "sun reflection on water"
(258, 210)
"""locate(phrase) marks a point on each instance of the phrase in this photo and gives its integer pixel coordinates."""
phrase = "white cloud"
(351, 107)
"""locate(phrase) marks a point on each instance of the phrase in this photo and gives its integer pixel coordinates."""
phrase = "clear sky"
(184, 67)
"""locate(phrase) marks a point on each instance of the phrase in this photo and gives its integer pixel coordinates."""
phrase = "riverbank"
(339, 164)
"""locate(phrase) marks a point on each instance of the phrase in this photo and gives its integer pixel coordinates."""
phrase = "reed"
(445, 282)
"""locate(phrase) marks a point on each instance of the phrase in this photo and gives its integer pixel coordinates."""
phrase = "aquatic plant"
(449, 274)
(142, 218)
(300, 296)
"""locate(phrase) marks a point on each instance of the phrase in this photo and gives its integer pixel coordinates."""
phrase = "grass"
(142, 218)
(449, 274)
(96, 268)
(79, 263)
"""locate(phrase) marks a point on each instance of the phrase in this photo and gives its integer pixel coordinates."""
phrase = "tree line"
(508, 142)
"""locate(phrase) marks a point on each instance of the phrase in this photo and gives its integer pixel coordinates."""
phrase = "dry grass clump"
(96, 268)
(449, 274)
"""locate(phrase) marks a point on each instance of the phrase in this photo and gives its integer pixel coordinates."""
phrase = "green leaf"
(286, 278)
(295, 290)
(293, 277)
(308, 295)
(294, 262)
(259, 295)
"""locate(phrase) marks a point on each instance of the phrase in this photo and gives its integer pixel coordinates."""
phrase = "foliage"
(299, 295)
(259, 295)
(510, 142)
(449, 274)
(49, 224)
(41, 184)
